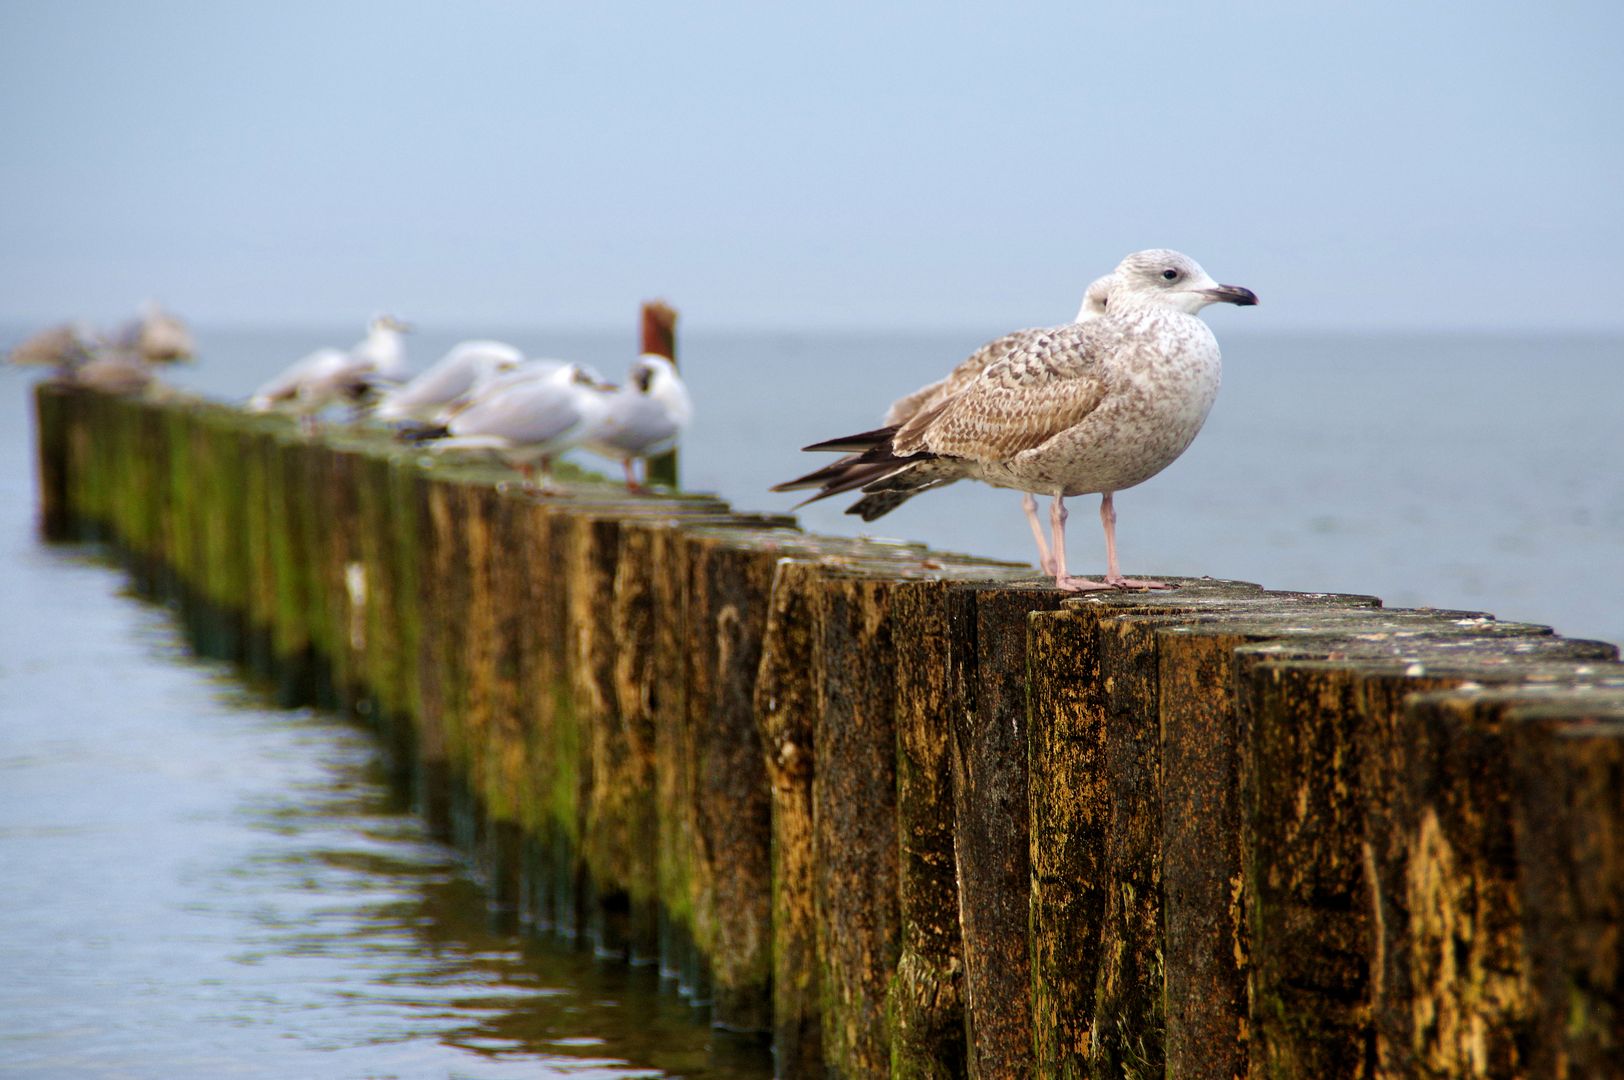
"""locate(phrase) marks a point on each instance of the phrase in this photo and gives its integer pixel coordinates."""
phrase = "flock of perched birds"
(1093, 406)
(481, 396)
(487, 396)
(121, 361)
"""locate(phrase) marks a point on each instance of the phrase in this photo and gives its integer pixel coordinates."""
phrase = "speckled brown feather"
(906, 408)
(1045, 382)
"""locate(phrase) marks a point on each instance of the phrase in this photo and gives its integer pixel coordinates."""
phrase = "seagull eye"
(1170, 275)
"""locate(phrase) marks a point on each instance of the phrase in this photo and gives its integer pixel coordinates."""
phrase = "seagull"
(382, 351)
(851, 472)
(529, 419)
(462, 369)
(63, 347)
(311, 384)
(645, 416)
(122, 372)
(1089, 407)
(156, 336)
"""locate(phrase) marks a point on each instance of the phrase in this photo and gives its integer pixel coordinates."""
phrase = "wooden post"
(1568, 817)
(786, 718)
(660, 338)
(1307, 901)
(1449, 989)
(988, 634)
(53, 419)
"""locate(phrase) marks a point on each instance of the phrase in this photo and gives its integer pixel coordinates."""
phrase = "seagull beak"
(1231, 294)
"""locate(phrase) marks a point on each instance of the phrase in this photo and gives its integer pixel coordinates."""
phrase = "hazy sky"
(1391, 164)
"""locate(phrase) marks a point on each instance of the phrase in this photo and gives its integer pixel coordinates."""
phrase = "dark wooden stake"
(660, 338)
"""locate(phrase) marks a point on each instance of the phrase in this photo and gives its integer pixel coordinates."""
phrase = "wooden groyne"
(917, 814)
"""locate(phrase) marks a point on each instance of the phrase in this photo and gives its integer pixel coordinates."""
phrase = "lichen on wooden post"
(1307, 899)
(1449, 985)
(1072, 795)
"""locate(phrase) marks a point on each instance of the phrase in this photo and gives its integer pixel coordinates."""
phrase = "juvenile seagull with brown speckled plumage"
(1089, 407)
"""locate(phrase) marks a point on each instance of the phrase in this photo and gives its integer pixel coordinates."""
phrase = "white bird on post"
(1090, 407)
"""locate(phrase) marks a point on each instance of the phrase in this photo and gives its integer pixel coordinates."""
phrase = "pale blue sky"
(1386, 165)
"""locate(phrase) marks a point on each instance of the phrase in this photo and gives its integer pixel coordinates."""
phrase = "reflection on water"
(194, 884)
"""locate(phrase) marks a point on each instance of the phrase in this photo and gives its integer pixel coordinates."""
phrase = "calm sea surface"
(194, 884)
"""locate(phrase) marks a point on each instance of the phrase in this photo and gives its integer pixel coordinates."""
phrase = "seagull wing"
(636, 424)
(528, 414)
(285, 385)
(1046, 382)
(445, 381)
(906, 408)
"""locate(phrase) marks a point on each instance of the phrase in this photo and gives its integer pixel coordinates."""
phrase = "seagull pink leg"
(1057, 522)
(547, 485)
(1030, 505)
(631, 475)
(1113, 576)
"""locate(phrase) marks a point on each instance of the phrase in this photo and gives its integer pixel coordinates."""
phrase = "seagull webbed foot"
(1135, 583)
(1077, 584)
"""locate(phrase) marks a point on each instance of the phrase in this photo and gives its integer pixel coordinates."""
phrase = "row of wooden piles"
(914, 813)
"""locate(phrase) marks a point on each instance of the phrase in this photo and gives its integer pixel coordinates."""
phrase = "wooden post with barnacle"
(660, 338)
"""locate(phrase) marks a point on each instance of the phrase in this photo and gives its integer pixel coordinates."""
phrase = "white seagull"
(382, 351)
(465, 367)
(645, 416)
(309, 385)
(528, 419)
(1091, 407)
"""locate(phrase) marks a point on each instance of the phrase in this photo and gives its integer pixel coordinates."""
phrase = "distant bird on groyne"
(383, 351)
(334, 376)
(62, 347)
(460, 370)
(115, 371)
(645, 416)
(80, 357)
(1089, 407)
(312, 383)
(528, 418)
(156, 336)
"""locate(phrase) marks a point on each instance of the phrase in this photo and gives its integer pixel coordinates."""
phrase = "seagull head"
(651, 368)
(389, 322)
(1096, 298)
(1160, 278)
